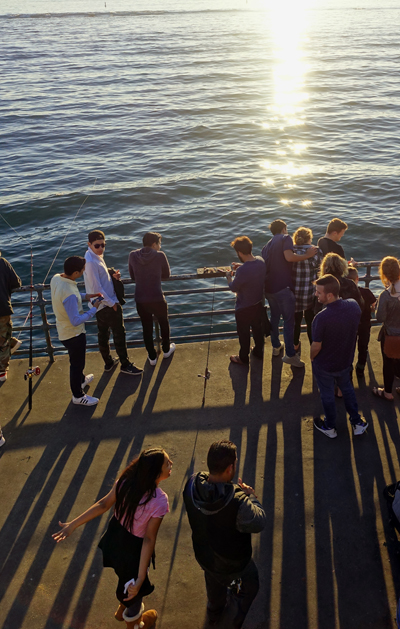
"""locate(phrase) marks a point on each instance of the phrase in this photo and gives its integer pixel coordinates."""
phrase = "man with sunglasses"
(109, 314)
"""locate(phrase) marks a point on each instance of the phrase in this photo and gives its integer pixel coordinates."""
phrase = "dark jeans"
(282, 303)
(110, 319)
(391, 368)
(146, 311)
(77, 353)
(298, 318)
(133, 610)
(364, 333)
(246, 319)
(217, 590)
(326, 383)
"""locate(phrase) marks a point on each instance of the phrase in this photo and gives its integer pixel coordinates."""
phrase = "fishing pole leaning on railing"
(35, 371)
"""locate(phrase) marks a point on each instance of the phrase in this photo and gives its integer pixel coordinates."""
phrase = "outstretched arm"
(95, 510)
(149, 543)
(290, 256)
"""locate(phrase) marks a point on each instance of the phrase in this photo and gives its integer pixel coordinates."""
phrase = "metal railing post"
(368, 278)
(46, 328)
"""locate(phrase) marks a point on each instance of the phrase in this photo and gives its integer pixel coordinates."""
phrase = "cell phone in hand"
(96, 300)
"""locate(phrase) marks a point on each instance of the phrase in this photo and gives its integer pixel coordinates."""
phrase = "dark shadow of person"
(239, 376)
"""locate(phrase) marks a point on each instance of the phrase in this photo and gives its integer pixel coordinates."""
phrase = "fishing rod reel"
(206, 376)
(32, 371)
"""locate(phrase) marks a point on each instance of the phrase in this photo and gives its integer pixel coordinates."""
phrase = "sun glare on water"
(287, 23)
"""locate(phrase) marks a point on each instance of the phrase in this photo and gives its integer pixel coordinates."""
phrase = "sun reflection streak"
(288, 20)
(288, 24)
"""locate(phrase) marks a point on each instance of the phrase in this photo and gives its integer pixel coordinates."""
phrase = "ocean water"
(201, 120)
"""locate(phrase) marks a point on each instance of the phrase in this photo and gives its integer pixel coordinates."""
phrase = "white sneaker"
(277, 350)
(328, 432)
(16, 346)
(294, 361)
(359, 429)
(172, 348)
(2, 440)
(152, 362)
(88, 379)
(3, 376)
(85, 400)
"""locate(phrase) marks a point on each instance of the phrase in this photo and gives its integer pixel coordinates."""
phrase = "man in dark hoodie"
(8, 345)
(147, 267)
(222, 516)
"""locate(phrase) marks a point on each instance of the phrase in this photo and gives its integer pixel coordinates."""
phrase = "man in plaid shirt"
(304, 274)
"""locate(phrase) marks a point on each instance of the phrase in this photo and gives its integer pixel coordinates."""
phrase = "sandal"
(236, 360)
(118, 614)
(381, 393)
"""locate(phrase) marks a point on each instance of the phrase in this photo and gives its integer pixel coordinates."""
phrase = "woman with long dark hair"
(128, 544)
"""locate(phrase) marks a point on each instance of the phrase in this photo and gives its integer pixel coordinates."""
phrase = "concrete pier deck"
(327, 557)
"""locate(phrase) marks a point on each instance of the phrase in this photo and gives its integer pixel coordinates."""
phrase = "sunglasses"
(98, 246)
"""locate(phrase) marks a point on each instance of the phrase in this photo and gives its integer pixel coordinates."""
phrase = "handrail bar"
(211, 316)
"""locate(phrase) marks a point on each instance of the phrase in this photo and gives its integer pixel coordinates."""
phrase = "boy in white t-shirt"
(70, 320)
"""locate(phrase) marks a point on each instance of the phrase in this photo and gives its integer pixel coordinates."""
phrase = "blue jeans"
(326, 383)
(282, 303)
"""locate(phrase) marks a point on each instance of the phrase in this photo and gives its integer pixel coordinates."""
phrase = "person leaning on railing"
(70, 321)
(388, 313)
(333, 264)
(305, 273)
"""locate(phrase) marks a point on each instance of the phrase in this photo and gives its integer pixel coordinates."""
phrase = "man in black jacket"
(222, 516)
(8, 281)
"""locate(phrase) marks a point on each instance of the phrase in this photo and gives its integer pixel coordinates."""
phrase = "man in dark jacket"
(147, 267)
(222, 516)
(8, 281)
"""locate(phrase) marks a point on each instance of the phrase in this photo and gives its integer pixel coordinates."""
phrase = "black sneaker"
(131, 370)
(320, 425)
(110, 366)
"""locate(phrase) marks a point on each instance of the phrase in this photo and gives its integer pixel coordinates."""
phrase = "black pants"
(217, 589)
(391, 368)
(110, 319)
(298, 318)
(364, 333)
(160, 310)
(77, 353)
(246, 319)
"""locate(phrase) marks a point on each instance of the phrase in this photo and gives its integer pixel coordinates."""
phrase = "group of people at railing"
(316, 283)
(298, 279)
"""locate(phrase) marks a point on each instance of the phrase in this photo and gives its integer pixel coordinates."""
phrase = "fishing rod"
(207, 372)
(68, 230)
(31, 371)
(35, 371)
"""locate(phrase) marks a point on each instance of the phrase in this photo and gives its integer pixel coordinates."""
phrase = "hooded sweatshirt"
(147, 267)
(222, 518)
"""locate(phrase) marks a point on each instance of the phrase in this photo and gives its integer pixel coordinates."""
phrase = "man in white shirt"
(70, 320)
(109, 315)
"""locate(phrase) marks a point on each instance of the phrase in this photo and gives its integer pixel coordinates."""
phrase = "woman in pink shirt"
(128, 544)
